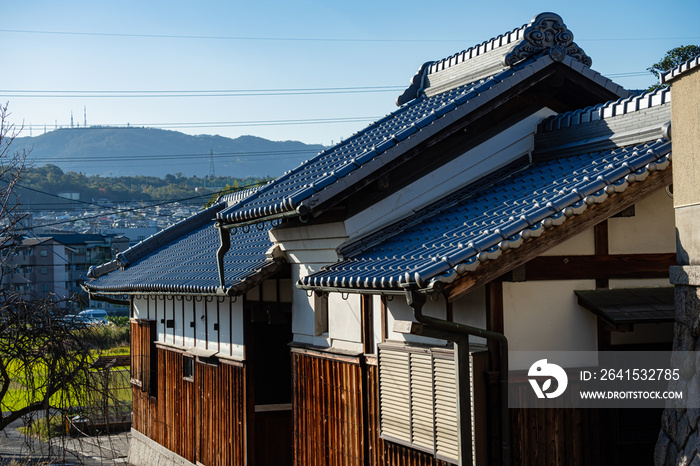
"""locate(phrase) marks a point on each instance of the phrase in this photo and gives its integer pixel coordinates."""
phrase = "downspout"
(459, 333)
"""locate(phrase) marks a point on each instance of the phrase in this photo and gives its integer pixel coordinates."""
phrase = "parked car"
(97, 317)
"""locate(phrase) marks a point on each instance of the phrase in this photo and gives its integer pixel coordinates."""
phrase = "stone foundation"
(679, 440)
(146, 452)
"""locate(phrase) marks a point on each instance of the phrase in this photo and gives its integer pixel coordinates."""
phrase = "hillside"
(110, 151)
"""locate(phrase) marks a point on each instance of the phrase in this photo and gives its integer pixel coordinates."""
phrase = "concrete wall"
(679, 439)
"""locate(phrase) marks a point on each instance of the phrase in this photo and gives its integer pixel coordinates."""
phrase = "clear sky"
(228, 66)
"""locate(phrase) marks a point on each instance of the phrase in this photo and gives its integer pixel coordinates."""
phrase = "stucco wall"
(545, 316)
(650, 230)
(685, 114)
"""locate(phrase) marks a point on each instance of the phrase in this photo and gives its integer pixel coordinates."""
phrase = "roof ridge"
(478, 49)
(545, 34)
(605, 110)
(678, 70)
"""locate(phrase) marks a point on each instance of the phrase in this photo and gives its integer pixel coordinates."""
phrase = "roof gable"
(319, 182)
(448, 240)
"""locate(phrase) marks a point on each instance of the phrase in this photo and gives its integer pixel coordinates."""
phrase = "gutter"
(459, 334)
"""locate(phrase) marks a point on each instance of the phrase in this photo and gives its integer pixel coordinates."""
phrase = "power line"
(204, 93)
(224, 124)
(123, 158)
(303, 39)
(229, 38)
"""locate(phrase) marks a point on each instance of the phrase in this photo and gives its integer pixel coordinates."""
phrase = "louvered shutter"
(418, 399)
(394, 395)
(446, 441)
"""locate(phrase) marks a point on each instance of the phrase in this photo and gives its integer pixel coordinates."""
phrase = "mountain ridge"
(131, 151)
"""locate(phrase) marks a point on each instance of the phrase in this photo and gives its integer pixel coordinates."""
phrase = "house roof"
(182, 259)
(630, 306)
(456, 87)
(477, 223)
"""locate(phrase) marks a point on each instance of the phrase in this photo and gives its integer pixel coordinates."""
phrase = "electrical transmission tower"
(212, 172)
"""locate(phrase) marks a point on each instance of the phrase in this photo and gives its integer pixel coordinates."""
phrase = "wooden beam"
(600, 241)
(600, 268)
(534, 247)
(367, 323)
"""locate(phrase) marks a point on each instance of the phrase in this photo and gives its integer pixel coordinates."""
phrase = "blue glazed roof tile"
(188, 264)
(477, 223)
(182, 258)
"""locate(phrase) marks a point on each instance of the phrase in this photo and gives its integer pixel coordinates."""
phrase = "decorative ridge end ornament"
(547, 33)
(416, 86)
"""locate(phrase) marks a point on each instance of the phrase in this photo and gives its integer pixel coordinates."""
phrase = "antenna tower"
(84, 116)
(212, 172)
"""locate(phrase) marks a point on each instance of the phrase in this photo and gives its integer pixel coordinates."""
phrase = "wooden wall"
(336, 415)
(201, 420)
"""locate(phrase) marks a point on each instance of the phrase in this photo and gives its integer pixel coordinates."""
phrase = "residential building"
(360, 308)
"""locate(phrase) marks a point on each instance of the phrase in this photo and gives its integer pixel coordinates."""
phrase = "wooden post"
(462, 377)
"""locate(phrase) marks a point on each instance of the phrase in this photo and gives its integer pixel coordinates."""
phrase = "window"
(320, 314)
(188, 368)
(44, 270)
(44, 287)
(144, 356)
(43, 253)
(418, 399)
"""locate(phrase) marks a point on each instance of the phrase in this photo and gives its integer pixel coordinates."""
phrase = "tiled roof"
(545, 34)
(182, 258)
(454, 236)
(624, 122)
(385, 140)
(187, 264)
(679, 70)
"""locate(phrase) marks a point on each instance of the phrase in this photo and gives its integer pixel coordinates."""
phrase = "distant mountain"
(110, 151)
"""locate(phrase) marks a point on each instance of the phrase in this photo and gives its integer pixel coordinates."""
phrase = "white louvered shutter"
(394, 394)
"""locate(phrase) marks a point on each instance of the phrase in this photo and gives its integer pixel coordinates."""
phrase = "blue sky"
(232, 45)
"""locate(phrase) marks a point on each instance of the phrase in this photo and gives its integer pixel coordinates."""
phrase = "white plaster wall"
(168, 313)
(237, 348)
(651, 230)
(545, 316)
(503, 148)
(179, 329)
(303, 319)
(398, 309)
(158, 308)
(581, 244)
(344, 321)
(189, 317)
(471, 310)
(200, 324)
(377, 321)
(140, 308)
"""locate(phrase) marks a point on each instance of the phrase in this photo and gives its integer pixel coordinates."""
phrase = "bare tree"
(46, 359)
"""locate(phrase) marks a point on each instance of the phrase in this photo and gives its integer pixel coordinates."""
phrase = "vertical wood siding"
(333, 402)
(201, 421)
(327, 398)
(556, 436)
